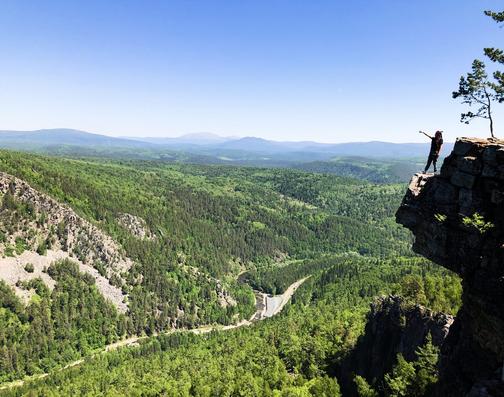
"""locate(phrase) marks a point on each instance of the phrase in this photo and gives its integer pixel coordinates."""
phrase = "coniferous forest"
(216, 234)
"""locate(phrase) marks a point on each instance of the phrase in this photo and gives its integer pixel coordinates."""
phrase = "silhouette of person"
(436, 143)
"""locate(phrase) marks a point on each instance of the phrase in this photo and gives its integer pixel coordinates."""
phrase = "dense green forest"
(374, 170)
(215, 230)
(293, 354)
(57, 326)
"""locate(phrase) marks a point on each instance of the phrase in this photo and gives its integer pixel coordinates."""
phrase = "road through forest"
(266, 306)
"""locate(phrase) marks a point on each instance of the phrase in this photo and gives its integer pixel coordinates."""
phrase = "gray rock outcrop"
(136, 226)
(457, 219)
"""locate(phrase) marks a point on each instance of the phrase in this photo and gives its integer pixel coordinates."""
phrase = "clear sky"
(330, 71)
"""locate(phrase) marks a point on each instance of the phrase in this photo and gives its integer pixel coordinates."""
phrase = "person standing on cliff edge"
(436, 143)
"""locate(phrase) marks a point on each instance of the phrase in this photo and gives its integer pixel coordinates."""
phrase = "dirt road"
(274, 304)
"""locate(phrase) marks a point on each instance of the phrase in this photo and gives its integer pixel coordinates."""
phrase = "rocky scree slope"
(136, 226)
(37, 230)
(457, 219)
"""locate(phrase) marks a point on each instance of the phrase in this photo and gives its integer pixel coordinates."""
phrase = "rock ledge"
(457, 218)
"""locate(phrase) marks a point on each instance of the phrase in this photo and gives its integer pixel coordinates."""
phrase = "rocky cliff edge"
(457, 218)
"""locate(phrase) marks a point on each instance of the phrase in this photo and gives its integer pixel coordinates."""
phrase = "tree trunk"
(489, 111)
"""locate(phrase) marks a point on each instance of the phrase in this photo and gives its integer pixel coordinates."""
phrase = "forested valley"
(214, 234)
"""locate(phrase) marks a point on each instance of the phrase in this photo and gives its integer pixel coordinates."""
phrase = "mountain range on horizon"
(208, 143)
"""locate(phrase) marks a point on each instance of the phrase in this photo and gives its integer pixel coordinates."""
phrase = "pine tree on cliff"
(477, 89)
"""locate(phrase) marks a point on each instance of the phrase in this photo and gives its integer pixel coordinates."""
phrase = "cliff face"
(457, 218)
(392, 327)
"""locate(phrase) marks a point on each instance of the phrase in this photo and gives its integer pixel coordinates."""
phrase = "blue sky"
(330, 71)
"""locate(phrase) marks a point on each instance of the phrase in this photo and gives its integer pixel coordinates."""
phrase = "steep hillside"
(38, 231)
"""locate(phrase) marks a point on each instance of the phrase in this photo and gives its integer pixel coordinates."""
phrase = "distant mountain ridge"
(62, 136)
(211, 144)
(365, 149)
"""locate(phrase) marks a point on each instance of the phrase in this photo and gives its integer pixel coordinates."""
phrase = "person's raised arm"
(427, 135)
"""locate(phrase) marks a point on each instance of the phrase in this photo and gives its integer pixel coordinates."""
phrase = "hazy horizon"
(323, 71)
(216, 135)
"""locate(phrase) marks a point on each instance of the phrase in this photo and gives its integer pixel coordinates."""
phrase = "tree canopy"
(478, 89)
